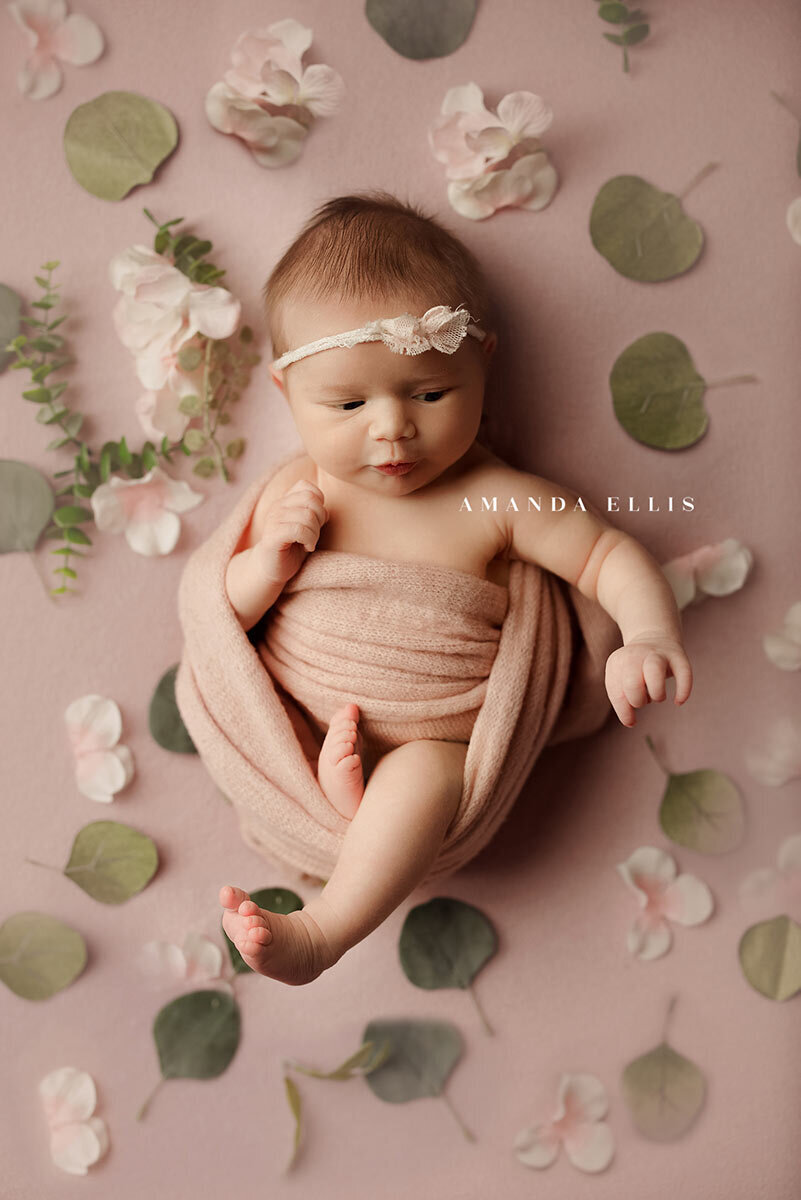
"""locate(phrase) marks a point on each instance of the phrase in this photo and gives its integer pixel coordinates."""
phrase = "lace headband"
(440, 328)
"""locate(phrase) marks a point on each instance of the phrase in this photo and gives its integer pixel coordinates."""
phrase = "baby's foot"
(290, 948)
(339, 768)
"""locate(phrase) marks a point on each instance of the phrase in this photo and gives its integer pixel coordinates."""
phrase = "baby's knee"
(440, 762)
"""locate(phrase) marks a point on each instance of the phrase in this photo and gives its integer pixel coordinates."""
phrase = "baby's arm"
(280, 533)
(611, 567)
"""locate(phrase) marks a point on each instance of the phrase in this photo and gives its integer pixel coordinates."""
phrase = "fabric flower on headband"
(54, 38)
(438, 329)
(268, 99)
(493, 160)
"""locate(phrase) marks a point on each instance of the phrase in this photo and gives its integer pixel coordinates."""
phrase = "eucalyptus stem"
(143, 1109)
(480, 1011)
(471, 1137)
(671, 1006)
(49, 866)
(652, 748)
(696, 179)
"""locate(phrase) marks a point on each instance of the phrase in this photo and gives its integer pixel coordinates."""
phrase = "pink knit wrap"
(425, 652)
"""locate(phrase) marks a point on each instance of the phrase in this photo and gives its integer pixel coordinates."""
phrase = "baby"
(389, 423)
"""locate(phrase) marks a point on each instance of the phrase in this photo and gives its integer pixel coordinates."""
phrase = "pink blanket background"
(562, 992)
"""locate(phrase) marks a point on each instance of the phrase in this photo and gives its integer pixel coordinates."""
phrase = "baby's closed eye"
(424, 396)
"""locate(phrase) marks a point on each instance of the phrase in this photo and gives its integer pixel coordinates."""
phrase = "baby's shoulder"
(287, 474)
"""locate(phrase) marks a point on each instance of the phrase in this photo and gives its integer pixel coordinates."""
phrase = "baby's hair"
(371, 245)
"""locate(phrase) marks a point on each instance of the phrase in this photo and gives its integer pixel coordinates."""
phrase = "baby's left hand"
(636, 673)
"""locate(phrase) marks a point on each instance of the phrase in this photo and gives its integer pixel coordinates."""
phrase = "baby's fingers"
(683, 674)
(654, 669)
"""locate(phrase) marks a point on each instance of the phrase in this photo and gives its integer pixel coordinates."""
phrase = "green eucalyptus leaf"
(204, 467)
(165, 722)
(190, 404)
(444, 943)
(72, 514)
(195, 439)
(422, 1056)
(26, 505)
(638, 33)
(614, 13)
(76, 535)
(770, 957)
(273, 899)
(117, 141)
(10, 305)
(419, 29)
(643, 232)
(236, 447)
(658, 394)
(111, 862)
(197, 1034)
(39, 955)
(664, 1092)
(704, 811)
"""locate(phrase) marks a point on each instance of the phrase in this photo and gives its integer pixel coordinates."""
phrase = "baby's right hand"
(291, 528)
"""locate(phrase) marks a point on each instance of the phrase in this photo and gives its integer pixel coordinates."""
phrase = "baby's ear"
(277, 377)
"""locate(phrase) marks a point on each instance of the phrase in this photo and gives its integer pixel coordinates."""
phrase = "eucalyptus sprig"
(619, 14)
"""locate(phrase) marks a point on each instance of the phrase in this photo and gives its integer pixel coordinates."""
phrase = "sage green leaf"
(704, 811)
(664, 1092)
(445, 943)
(197, 1034)
(165, 722)
(293, 1097)
(26, 505)
(422, 28)
(366, 1059)
(658, 394)
(770, 957)
(10, 305)
(111, 861)
(273, 899)
(189, 357)
(117, 141)
(422, 1056)
(614, 13)
(644, 233)
(39, 955)
(638, 33)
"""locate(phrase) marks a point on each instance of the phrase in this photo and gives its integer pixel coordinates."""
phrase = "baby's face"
(360, 406)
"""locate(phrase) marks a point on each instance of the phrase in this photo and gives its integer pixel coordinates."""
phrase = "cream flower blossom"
(102, 768)
(145, 510)
(53, 38)
(784, 649)
(161, 310)
(712, 570)
(577, 1124)
(662, 896)
(77, 1139)
(777, 888)
(267, 98)
(199, 960)
(493, 160)
(778, 760)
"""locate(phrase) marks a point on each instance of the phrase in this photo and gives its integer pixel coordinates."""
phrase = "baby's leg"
(409, 802)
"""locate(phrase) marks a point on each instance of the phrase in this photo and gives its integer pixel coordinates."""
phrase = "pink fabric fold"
(425, 651)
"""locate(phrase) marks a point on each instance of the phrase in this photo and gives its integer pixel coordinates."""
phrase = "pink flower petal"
(581, 1098)
(292, 34)
(321, 90)
(93, 722)
(649, 937)
(646, 868)
(213, 311)
(78, 41)
(75, 1147)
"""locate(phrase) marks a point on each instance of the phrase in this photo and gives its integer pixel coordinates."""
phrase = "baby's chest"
(434, 533)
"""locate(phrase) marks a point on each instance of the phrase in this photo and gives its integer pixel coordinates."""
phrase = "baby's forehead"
(306, 320)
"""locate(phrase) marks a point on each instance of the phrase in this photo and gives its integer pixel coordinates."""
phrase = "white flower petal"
(794, 219)
(789, 856)
(591, 1147)
(295, 37)
(289, 139)
(213, 311)
(110, 516)
(78, 41)
(583, 1095)
(162, 961)
(650, 863)
(783, 652)
(537, 1146)
(67, 1095)
(39, 78)
(649, 939)
(180, 497)
(525, 114)
(75, 1147)
(155, 536)
(681, 582)
(101, 775)
(758, 885)
(321, 90)
(780, 760)
(204, 958)
(687, 900)
(467, 98)
(98, 713)
(729, 573)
